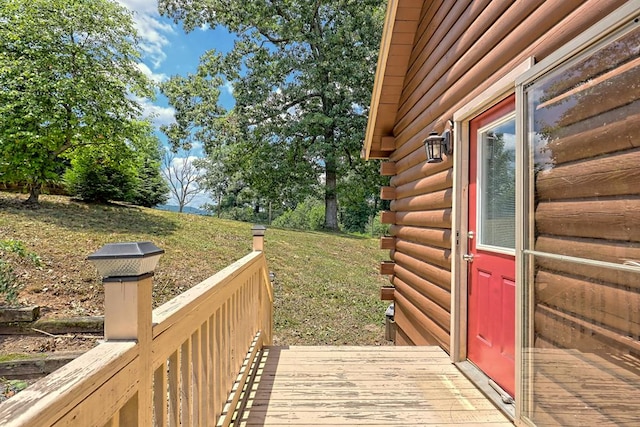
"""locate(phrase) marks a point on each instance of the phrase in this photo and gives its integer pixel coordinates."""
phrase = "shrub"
(308, 215)
(96, 175)
(378, 229)
(9, 285)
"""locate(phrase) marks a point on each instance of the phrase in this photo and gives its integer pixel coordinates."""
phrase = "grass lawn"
(326, 290)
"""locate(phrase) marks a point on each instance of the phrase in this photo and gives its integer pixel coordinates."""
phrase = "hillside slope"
(326, 289)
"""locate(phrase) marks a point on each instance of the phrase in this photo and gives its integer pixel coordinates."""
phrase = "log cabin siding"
(461, 48)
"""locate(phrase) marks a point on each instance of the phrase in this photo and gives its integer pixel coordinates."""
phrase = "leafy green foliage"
(120, 172)
(9, 284)
(8, 388)
(302, 74)
(100, 175)
(18, 248)
(308, 215)
(67, 72)
(151, 189)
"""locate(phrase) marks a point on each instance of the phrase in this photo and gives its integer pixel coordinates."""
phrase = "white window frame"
(479, 194)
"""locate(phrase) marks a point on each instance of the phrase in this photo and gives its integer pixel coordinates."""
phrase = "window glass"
(582, 304)
(497, 185)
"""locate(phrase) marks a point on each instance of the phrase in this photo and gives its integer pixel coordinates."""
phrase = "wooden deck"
(338, 386)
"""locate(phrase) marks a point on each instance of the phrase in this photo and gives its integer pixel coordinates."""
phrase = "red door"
(491, 272)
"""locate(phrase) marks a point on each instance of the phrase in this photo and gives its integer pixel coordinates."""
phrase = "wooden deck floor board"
(342, 386)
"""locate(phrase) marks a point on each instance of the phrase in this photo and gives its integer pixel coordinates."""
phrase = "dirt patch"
(27, 344)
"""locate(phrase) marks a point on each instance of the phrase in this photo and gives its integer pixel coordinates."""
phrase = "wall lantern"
(126, 259)
(437, 145)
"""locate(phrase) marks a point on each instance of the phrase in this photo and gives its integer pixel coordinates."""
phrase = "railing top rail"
(59, 392)
(170, 312)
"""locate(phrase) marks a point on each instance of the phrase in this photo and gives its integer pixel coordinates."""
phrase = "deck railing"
(182, 368)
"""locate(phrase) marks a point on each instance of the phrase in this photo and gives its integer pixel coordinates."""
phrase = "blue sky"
(167, 51)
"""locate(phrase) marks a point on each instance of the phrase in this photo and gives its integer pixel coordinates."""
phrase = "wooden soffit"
(400, 26)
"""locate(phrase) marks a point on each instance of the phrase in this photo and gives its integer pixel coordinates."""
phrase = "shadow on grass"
(76, 215)
(339, 234)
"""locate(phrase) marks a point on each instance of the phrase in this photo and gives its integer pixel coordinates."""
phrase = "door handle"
(468, 257)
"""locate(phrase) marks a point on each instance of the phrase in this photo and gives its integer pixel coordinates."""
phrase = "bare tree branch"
(182, 176)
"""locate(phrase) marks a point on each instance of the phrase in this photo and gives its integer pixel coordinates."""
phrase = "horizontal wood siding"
(460, 49)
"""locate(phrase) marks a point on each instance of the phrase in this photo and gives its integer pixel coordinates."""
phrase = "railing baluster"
(217, 363)
(211, 408)
(204, 373)
(196, 375)
(174, 389)
(160, 396)
(185, 373)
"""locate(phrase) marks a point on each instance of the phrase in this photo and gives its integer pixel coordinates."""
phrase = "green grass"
(11, 357)
(326, 289)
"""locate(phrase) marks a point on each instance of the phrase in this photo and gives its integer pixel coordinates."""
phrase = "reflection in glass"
(497, 186)
(582, 316)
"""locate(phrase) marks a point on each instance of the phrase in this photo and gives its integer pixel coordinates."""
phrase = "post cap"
(258, 230)
(126, 259)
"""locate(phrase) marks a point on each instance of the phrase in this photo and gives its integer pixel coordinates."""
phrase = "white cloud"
(155, 77)
(228, 86)
(151, 30)
(158, 115)
(141, 6)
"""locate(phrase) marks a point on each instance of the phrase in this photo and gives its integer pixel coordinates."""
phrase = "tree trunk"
(330, 197)
(34, 193)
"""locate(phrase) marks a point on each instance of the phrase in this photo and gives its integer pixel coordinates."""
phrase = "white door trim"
(461, 118)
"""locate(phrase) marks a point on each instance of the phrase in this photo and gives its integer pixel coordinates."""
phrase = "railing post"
(127, 271)
(258, 237)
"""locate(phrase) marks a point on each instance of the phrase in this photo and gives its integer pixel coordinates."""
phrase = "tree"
(67, 73)
(151, 188)
(182, 176)
(100, 174)
(302, 73)
(129, 172)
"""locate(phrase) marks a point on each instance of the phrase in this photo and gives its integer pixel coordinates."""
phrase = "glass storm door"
(491, 272)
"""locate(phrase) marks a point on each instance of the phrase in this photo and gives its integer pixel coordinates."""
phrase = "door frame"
(498, 91)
